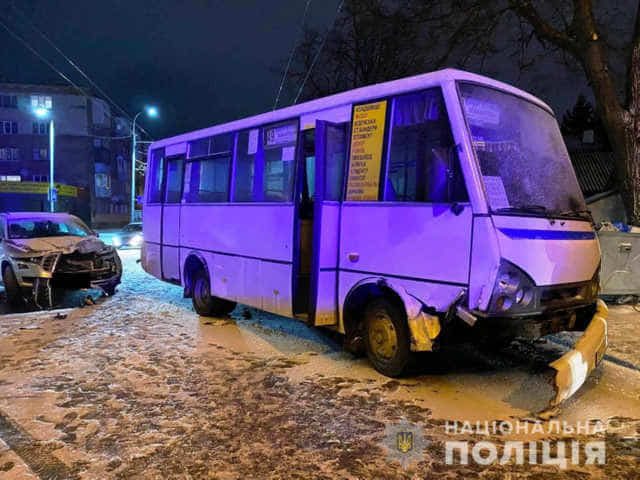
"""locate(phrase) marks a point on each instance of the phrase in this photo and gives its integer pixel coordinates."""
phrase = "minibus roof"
(358, 95)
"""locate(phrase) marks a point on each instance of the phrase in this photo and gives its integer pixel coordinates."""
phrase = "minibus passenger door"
(170, 232)
(331, 154)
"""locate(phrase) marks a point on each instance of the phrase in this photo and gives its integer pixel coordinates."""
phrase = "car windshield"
(38, 228)
(133, 227)
(523, 159)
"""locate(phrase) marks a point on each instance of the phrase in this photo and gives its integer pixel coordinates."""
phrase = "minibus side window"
(245, 171)
(156, 172)
(206, 177)
(174, 180)
(207, 180)
(423, 165)
(279, 161)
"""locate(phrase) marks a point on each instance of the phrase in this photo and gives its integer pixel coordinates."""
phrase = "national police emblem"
(405, 442)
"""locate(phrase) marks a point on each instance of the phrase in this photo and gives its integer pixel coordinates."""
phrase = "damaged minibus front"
(535, 257)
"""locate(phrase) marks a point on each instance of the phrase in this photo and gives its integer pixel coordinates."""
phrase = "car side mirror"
(457, 208)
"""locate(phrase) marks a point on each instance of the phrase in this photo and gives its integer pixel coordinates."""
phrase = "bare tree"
(574, 30)
(371, 41)
(379, 40)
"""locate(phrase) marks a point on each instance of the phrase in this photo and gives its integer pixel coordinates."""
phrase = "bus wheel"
(204, 303)
(386, 337)
(12, 290)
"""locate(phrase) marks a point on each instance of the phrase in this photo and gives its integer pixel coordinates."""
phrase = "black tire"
(11, 287)
(204, 303)
(387, 337)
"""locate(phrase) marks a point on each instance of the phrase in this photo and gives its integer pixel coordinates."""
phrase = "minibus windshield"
(523, 160)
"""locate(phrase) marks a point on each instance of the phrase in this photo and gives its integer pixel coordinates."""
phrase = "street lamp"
(152, 112)
(42, 112)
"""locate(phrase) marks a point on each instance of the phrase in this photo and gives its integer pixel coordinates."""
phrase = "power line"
(74, 64)
(315, 59)
(35, 52)
(293, 50)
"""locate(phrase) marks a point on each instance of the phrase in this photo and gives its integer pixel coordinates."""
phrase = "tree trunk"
(631, 184)
(622, 124)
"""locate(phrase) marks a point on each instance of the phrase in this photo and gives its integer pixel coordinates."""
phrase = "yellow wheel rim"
(382, 336)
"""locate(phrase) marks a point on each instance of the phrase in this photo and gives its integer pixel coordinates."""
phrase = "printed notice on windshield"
(495, 192)
(367, 134)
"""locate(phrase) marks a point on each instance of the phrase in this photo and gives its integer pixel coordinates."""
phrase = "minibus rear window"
(156, 172)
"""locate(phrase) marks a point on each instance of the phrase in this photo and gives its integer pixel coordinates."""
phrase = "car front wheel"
(11, 287)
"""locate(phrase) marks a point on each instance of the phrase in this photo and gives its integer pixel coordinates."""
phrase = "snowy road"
(138, 386)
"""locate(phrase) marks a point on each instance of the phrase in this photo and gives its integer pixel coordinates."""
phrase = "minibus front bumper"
(573, 368)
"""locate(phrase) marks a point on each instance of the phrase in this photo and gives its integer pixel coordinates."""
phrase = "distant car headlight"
(136, 240)
(513, 291)
(117, 241)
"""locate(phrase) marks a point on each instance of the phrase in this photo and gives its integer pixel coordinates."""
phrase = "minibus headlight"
(513, 291)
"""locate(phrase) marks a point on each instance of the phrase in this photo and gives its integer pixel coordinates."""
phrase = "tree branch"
(544, 30)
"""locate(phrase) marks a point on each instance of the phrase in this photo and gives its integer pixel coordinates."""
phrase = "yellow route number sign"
(367, 135)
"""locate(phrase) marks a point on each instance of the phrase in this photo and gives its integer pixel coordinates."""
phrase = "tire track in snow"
(34, 453)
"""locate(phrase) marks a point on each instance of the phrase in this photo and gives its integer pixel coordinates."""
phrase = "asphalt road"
(139, 386)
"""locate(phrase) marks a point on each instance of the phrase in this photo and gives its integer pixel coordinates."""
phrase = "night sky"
(201, 61)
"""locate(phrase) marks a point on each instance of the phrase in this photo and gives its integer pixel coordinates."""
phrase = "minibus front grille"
(562, 296)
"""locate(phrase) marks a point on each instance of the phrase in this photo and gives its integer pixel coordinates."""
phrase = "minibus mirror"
(457, 208)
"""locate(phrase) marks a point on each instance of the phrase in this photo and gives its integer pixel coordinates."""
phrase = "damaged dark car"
(43, 253)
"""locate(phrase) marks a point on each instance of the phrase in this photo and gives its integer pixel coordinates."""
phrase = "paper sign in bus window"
(367, 134)
(495, 192)
(280, 135)
(253, 141)
(288, 154)
(480, 112)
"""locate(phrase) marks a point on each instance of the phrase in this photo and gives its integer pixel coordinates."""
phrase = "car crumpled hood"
(31, 246)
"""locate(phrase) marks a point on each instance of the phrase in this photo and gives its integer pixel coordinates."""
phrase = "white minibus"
(402, 215)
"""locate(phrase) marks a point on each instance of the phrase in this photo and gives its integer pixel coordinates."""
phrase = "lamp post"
(151, 112)
(42, 112)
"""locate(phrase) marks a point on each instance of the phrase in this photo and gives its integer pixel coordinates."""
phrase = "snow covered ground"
(139, 386)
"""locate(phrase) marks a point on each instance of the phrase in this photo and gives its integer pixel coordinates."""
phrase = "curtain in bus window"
(207, 180)
(246, 153)
(422, 163)
(155, 173)
(174, 180)
(279, 161)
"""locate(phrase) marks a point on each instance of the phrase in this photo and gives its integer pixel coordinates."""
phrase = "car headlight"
(136, 240)
(513, 291)
(117, 241)
(25, 263)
